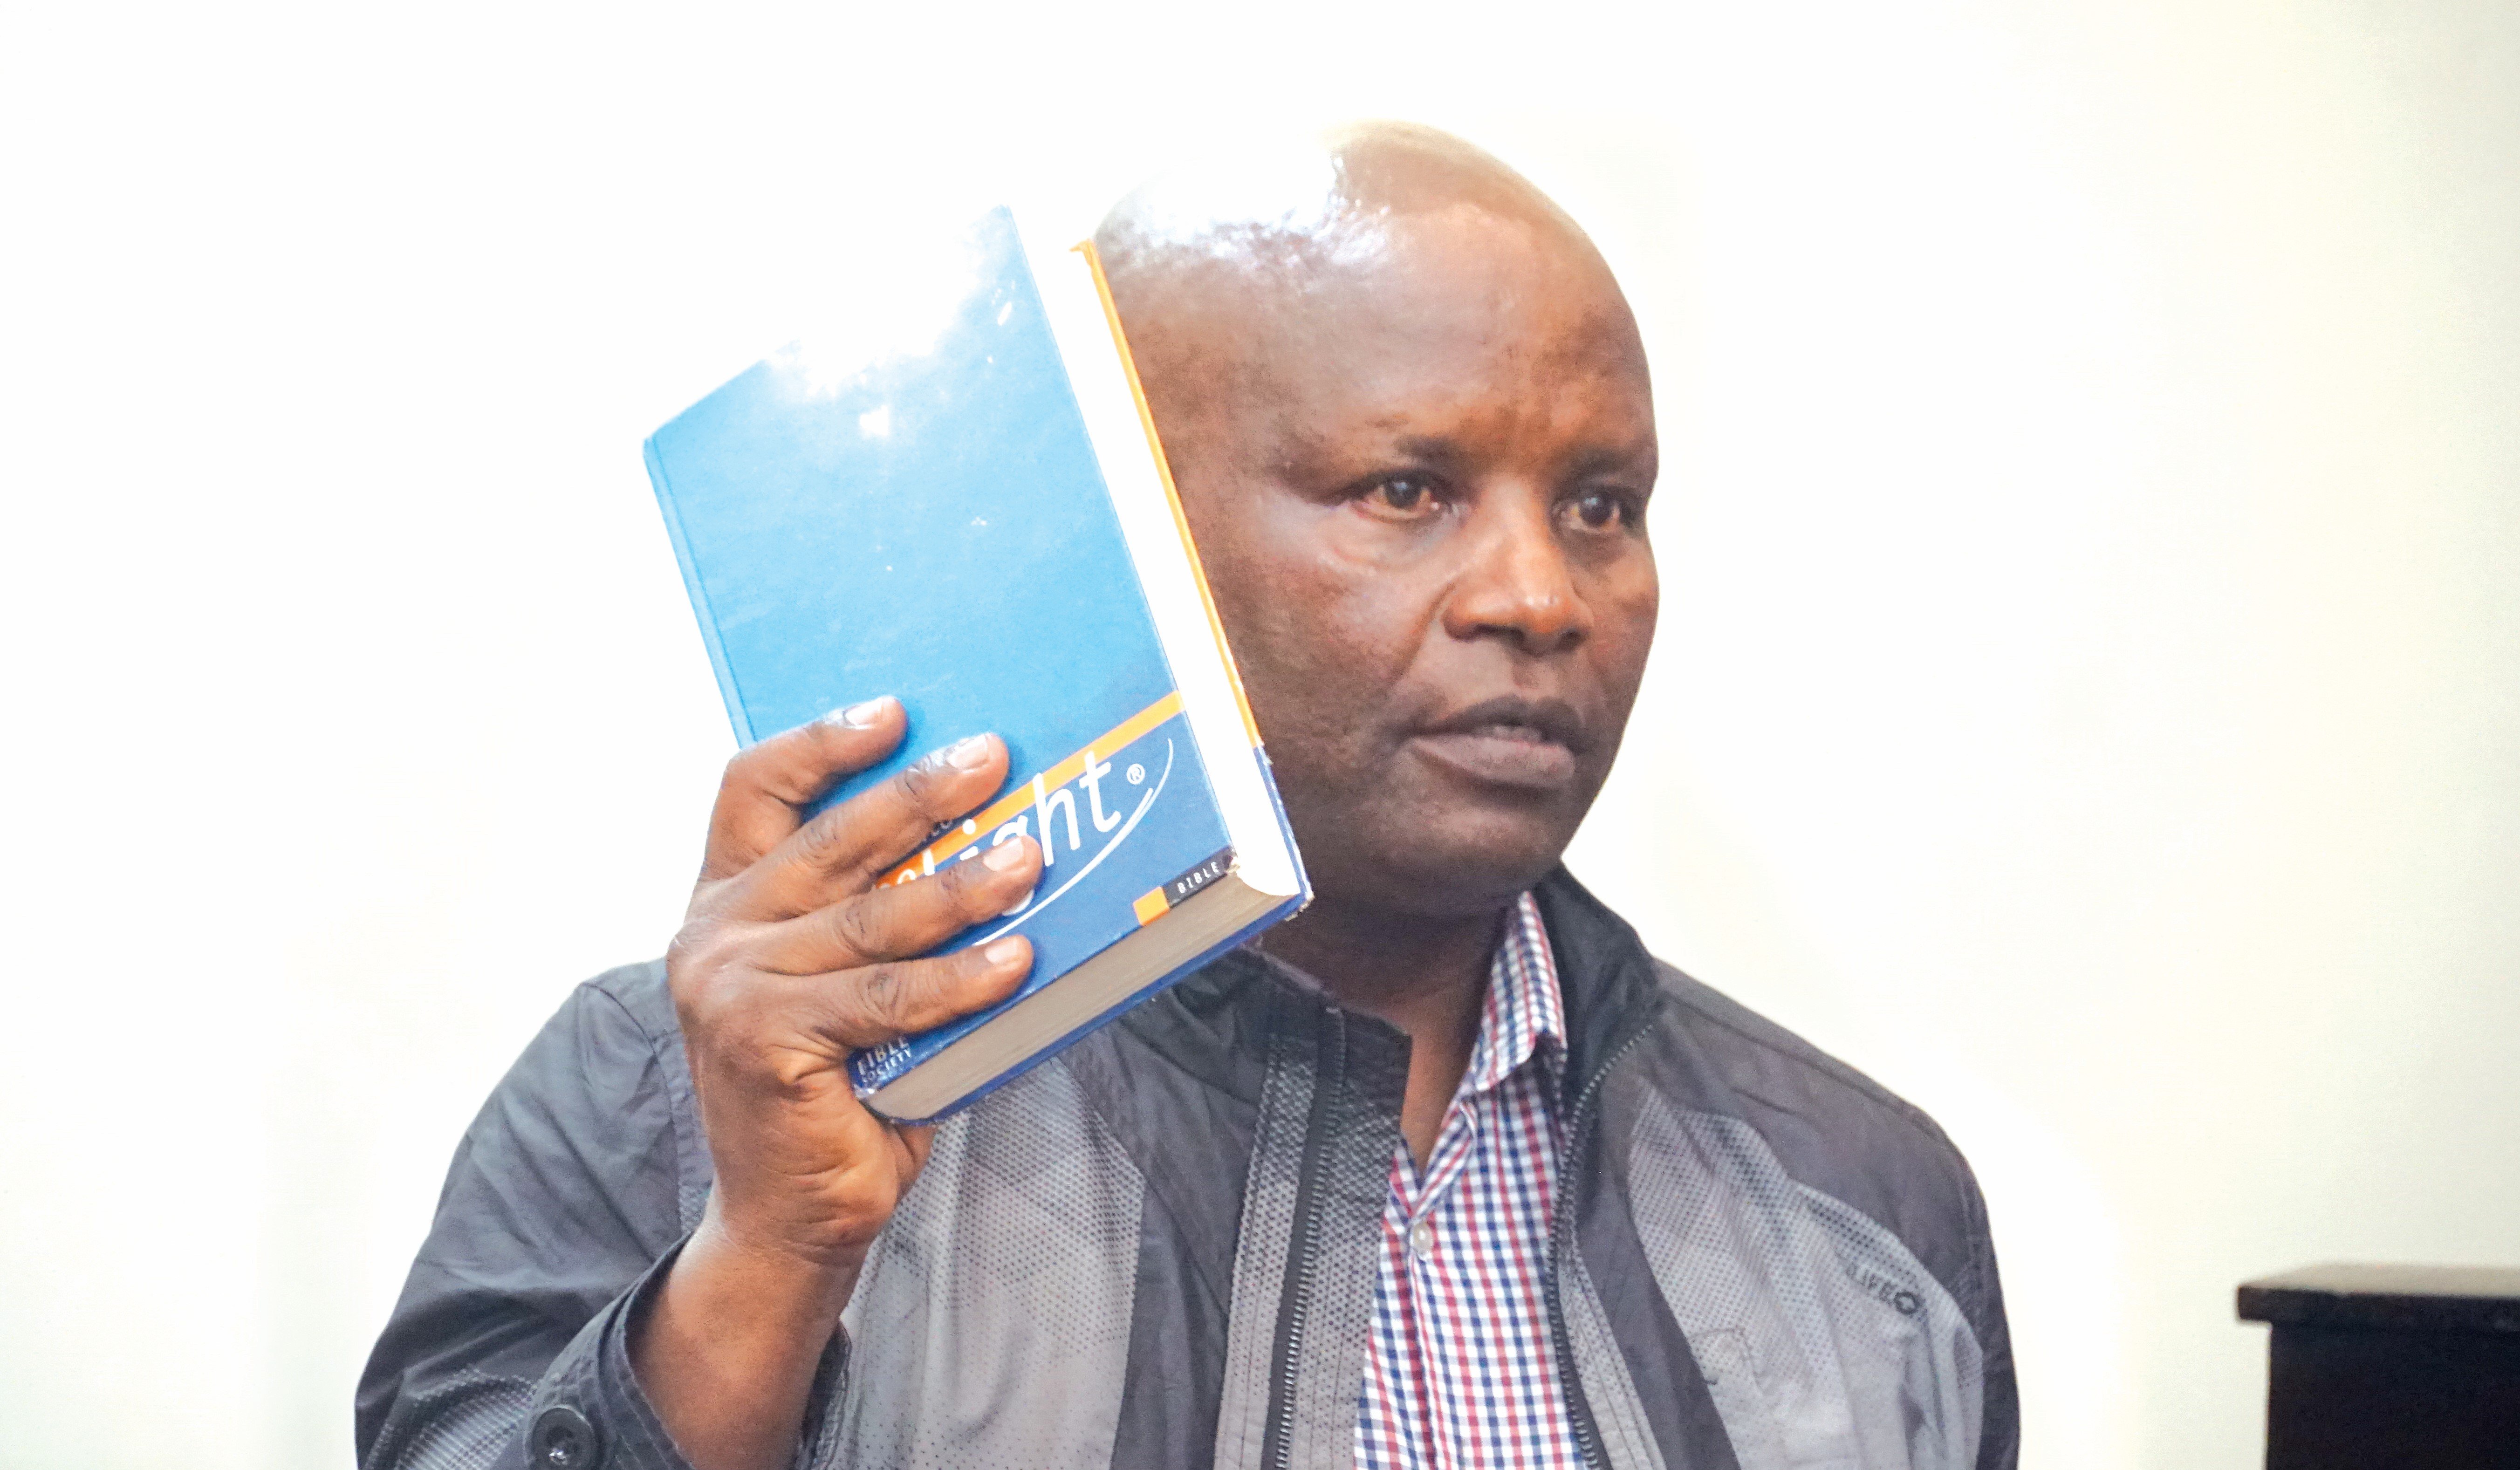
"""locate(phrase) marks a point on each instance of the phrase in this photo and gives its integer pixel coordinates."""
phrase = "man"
(1446, 1172)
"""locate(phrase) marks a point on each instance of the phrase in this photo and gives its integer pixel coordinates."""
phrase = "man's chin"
(1448, 869)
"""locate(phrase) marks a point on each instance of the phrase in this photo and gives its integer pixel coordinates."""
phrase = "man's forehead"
(1320, 290)
(1447, 297)
(1452, 325)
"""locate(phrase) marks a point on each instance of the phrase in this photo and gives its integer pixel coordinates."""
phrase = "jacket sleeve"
(2000, 1422)
(567, 1198)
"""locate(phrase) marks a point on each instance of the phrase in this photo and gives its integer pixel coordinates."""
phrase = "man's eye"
(1601, 509)
(1403, 494)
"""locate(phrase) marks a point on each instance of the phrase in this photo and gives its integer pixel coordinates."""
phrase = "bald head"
(1288, 211)
(1314, 200)
(1408, 412)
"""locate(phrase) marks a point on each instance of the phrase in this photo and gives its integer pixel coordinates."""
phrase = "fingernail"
(970, 753)
(1005, 857)
(862, 715)
(1003, 952)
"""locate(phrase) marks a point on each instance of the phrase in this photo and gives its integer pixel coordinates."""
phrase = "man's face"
(1417, 473)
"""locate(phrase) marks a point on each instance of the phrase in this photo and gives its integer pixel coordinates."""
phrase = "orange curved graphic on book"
(1020, 795)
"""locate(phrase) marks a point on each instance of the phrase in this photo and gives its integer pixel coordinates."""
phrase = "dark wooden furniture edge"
(2414, 1298)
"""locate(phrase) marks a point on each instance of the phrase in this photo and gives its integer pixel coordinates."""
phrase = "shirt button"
(563, 1439)
(1421, 1240)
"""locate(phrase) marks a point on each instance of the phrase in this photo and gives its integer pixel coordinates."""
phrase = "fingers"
(901, 920)
(760, 801)
(844, 850)
(868, 1008)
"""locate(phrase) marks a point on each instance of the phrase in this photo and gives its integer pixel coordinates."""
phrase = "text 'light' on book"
(1044, 807)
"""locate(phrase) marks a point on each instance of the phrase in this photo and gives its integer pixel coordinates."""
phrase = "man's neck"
(1429, 976)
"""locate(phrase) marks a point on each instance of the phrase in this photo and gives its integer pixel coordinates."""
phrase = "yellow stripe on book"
(1172, 494)
(1151, 905)
(971, 830)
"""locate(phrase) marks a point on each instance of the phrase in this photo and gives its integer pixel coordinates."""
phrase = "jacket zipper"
(1561, 1234)
(1277, 1441)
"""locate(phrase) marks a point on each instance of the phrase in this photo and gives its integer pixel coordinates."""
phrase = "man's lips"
(1508, 741)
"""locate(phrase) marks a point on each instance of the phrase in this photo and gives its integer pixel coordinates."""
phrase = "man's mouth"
(1508, 741)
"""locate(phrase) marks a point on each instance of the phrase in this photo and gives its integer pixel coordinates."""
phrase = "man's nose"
(1517, 582)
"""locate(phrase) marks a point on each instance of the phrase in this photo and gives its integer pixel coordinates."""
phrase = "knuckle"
(917, 993)
(747, 774)
(822, 843)
(918, 783)
(968, 883)
(879, 996)
(928, 784)
(696, 961)
(711, 1015)
(711, 901)
(718, 988)
(856, 931)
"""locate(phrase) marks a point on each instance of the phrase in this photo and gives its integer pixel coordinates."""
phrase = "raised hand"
(791, 958)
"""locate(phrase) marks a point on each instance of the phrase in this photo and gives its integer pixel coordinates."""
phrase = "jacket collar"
(1604, 975)
(1605, 983)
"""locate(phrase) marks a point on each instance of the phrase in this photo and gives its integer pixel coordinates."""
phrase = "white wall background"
(2088, 693)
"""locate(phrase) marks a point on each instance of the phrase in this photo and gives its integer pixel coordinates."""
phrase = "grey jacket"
(1158, 1250)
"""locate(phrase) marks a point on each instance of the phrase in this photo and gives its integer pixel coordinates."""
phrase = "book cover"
(924, 511)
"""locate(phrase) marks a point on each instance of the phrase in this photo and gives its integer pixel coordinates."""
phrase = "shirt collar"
(1524, 1016)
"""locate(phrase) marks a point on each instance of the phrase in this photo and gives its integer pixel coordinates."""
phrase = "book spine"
(735, 711)
(1172, 493)
(883, 1065)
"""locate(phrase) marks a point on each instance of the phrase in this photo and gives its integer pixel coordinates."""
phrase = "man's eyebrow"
(1445, 455)
(1435, 451)
(1610, 459)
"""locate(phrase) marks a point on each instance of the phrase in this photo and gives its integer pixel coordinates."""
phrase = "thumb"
(912, 1143)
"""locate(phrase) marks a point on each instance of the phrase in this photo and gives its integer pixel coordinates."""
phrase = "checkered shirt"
(1462, 1374)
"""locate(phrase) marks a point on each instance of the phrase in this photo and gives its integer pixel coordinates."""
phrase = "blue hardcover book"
(968, 508)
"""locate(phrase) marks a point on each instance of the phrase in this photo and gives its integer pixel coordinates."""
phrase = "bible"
(957, 497)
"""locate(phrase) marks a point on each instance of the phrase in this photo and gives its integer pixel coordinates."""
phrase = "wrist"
(735, 1316)
(767, 1279)
(726, 1350)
